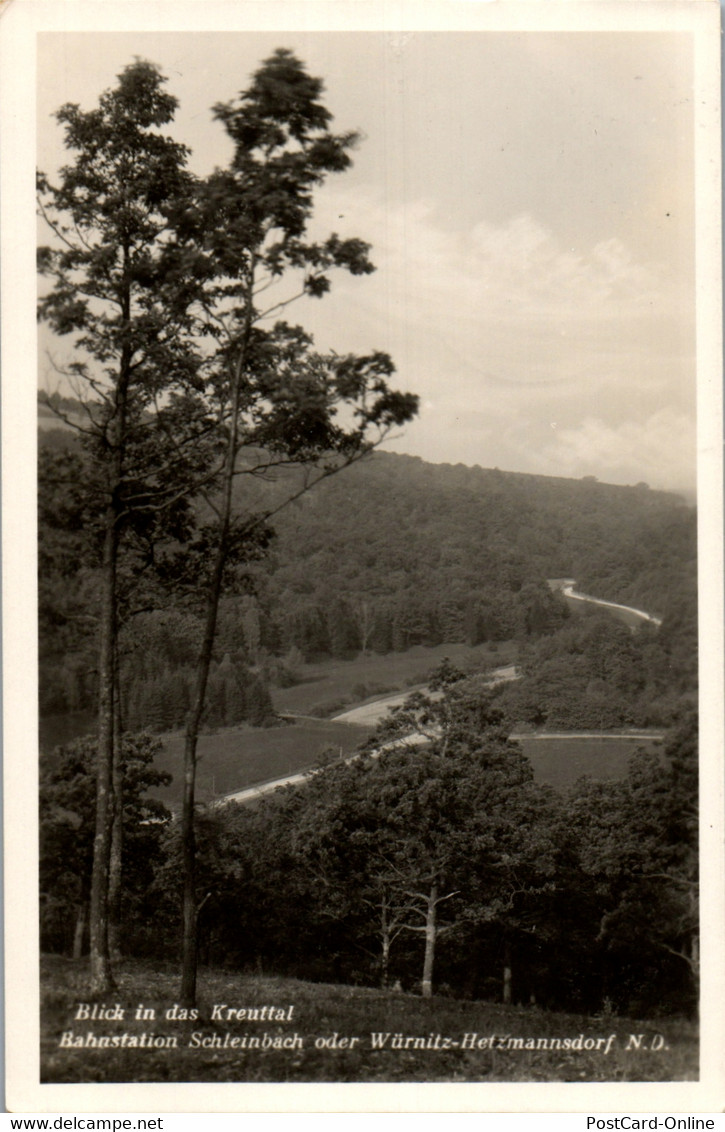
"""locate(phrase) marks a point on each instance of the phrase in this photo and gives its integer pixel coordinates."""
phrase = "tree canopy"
(158, 276)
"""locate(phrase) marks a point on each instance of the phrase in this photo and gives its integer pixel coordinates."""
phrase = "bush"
(328, 708)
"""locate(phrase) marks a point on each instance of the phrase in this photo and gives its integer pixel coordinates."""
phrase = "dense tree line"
(402, 554)
(594, 674)
(440, 868)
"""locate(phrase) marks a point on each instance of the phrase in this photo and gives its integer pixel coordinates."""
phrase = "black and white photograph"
(373, 374)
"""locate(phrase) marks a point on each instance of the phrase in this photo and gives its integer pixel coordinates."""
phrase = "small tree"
(67, 828)
(439, 824)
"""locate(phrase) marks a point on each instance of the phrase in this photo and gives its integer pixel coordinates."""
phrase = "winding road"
(374, 711)
(567, 588)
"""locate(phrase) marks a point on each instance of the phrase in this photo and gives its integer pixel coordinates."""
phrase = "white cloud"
(508, 334)
(526, 272)
(659, 450)
(518, 270)
(527, 354)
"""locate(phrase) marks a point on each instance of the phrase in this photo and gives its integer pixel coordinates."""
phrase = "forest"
(444, 866)
(431, 562)
(398, 553)
(208, 527)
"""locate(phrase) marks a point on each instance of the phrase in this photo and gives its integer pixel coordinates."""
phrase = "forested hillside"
(391, 554)
(422, 552)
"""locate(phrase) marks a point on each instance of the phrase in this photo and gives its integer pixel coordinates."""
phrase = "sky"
(529, 198)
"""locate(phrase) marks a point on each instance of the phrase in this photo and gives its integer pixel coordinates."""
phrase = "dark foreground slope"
(437, 1039)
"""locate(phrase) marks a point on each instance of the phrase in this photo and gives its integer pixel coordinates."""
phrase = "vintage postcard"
(363, 669)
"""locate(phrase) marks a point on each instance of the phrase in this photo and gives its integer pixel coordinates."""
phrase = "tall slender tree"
(278, 400)
(119, 289)
(185, 379)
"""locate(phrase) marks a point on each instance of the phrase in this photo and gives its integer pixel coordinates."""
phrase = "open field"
(331, 686)
(510, 1043)
(234, 759)
(561, 762)
(238, 757)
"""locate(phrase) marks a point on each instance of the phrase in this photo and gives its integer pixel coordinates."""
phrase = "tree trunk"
(188, 864)
(366, 624)
(385, 963)
(430, 942)
(114, 888)
(101, 978)
(507, 973)
(385, 931)
(115, 866)
(80, 930)
(189, 942)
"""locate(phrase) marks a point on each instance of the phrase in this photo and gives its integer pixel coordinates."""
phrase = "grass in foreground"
(322, 1015)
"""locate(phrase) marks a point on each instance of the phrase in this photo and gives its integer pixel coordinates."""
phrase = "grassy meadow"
(561, 762)
(236, 757)
(658, 1051)
(233, 758)
(331, 686)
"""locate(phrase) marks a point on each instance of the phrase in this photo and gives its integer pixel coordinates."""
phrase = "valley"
(391, 577)
(239, 764)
